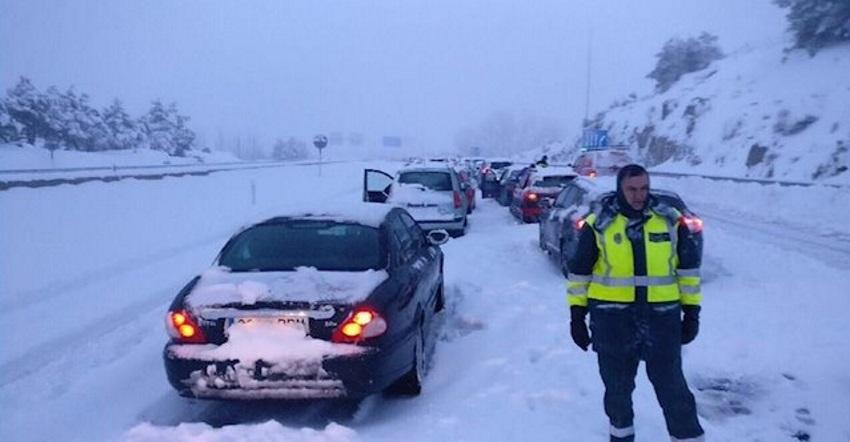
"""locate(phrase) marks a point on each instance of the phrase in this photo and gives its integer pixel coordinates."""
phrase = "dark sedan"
(564, 217)
(320, 305)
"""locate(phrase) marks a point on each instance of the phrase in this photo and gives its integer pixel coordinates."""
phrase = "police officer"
(635, 267)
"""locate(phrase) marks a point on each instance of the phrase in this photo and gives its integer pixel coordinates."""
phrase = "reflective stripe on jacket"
(613, 276)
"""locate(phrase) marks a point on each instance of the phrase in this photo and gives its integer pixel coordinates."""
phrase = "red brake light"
(360, 324)
(579, 223)
(181, 325)
(693, 223)
(531, 196)
(458, 201)
(592, 174)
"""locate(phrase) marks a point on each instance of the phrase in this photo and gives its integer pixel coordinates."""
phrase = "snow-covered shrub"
(679, 57)
(817, 23)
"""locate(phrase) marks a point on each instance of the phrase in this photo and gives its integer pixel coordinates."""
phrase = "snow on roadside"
(267, 431)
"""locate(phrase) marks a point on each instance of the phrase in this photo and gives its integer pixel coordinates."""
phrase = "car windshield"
(439, 181)
(321, 244)
(553, 181)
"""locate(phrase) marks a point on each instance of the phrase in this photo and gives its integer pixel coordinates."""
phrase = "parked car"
(315, 305)
(602, 162)
(508, 181)
(433, 195)
(536, 184)
(489, 179)
(563, 218)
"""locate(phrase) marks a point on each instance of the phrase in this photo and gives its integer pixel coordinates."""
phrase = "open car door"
(376, 186)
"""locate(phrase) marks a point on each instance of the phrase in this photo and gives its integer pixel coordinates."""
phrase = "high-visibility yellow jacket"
(613, 276)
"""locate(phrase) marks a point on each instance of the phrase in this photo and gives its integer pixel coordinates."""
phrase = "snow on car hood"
(218, 286)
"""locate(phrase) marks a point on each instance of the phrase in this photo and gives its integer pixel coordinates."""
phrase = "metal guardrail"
(48, 182)
(747, 180)
(116, 168)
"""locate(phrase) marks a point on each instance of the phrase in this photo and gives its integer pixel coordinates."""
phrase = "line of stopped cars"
(342, 303)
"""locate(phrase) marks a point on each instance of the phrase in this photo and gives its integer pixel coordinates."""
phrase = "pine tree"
(817, 23)
(166, 130)
(157, 128)
(8, 128)
(184, 138)
(124, 131)
(679, 57)
(26, 105)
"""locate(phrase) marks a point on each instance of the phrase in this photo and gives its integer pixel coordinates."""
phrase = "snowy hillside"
(755, 113)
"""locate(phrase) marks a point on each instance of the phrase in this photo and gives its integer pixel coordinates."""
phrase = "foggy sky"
(420, 69)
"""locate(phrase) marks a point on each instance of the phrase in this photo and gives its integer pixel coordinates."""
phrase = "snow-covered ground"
(89, 270)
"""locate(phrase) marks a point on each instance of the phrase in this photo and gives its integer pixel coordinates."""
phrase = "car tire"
(411, 383)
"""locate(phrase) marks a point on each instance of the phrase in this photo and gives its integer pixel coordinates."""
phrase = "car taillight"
(182, 326)
(360, 324)
(458, 201)
(693, 223)
(579, 223)
(531, 197)
(592, 174)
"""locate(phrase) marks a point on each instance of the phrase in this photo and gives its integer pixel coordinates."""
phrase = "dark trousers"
(625, 335)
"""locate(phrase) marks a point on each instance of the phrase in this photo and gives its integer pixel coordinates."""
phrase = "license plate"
(300, 322)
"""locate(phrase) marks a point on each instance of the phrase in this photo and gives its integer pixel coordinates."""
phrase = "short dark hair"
(629, 171)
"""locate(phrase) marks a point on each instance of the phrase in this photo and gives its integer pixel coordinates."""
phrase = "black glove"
(578, 328)
(690, 323)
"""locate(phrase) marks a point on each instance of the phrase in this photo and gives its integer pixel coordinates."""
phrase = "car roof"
(367, 214)
(554, 171)
(427, 168)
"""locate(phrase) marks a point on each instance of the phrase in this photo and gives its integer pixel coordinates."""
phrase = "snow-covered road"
(88, 271)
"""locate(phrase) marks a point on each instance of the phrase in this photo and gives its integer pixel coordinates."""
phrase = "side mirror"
(438, 237)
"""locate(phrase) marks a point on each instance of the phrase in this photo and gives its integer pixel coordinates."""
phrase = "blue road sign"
(595, 139)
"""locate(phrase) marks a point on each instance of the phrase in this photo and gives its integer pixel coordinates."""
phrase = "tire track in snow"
(831, 249)
(42, 355)
(55, 289)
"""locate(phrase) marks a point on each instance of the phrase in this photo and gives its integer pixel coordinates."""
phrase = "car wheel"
(411, 383)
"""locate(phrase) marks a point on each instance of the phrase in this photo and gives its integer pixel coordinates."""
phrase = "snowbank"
(269, 431)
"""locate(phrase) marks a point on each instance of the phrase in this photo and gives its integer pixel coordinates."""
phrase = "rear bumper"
(454, 224)
(350, 376)
(526, 214)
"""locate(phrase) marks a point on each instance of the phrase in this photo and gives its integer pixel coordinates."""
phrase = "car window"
(439, 181)
(553, 180)
(290, 244)
(402, 238)
(414, 230)
(563, 197)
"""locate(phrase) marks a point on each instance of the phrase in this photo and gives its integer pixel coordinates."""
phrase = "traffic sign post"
(320, 141)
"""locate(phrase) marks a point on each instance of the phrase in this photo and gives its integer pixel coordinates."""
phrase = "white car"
(432, 194)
